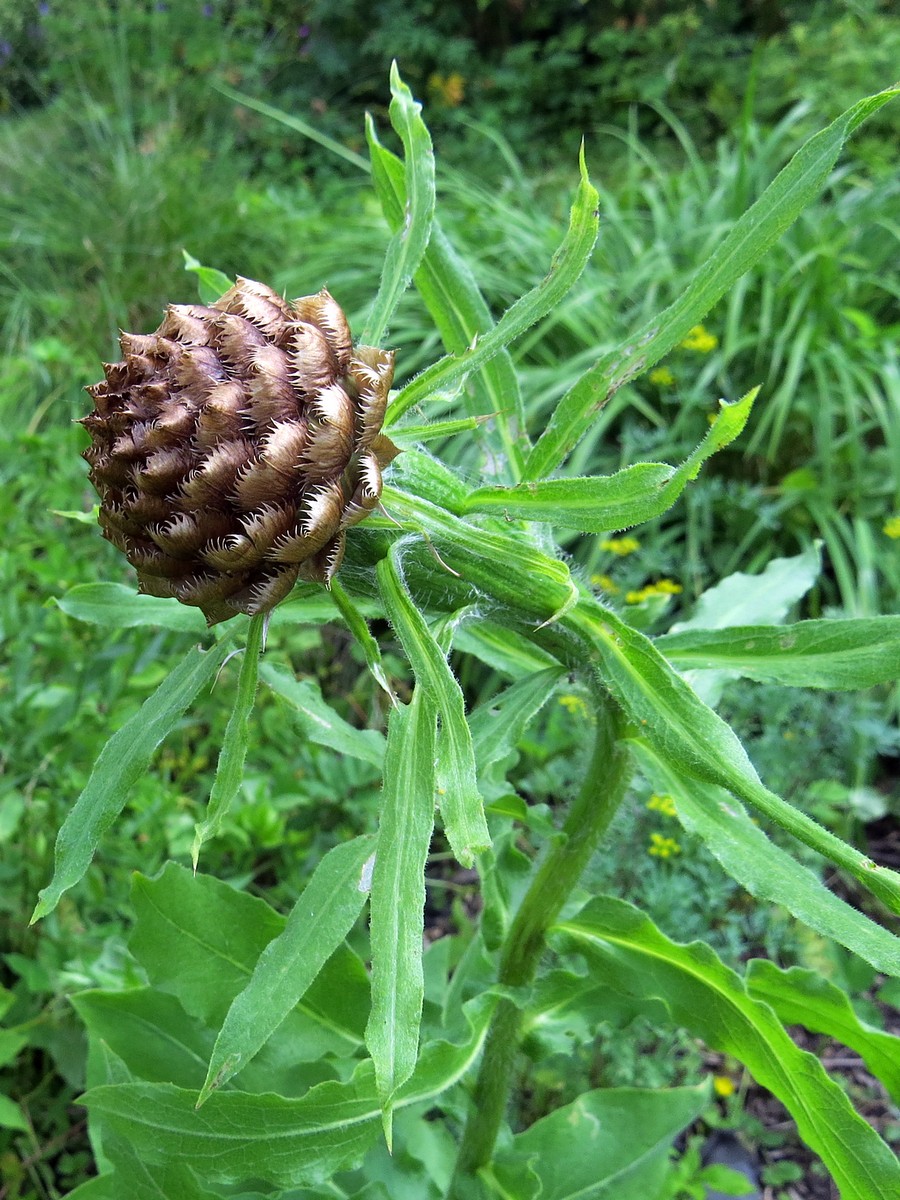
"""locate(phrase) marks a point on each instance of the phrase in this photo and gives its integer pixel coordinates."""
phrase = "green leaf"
(801, 997)
(398, 896)
(753, 234)
(569, 261)
(356, 623)
(686, 733)
(116, 606)
(763, 599)
(711, 1001)
(609, 1144)
(458, 796)
(460, 312)
(612, 502)
(211, 283)
(324, 914)
(319, 721)
(230, 767)
(122, 761)
(407, 245)
(498, 724)
(200, 939)
(11, 1115)
(503, 649)
(838, 654)
(762, 867)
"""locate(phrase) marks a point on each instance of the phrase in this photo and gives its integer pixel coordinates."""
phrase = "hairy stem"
(588, 819)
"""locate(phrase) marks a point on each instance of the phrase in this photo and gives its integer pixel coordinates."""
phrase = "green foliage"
(307, 1036)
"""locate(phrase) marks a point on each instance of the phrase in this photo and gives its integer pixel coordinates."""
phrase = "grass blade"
(122, 761)
(406, 247)
(756, 231)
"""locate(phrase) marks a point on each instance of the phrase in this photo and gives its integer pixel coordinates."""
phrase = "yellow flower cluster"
(620, 546)
(449, 88)
(892, 527)
(723, 1086)
(662, 847)
(575, 705)
(662, 377)
(700, 339)
(664, 587)
(662, 804)
(606, 582)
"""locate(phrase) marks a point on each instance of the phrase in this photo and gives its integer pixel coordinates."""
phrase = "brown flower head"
(233, 447)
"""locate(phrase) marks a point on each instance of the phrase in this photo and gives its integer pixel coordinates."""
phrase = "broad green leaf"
(319, 721)
(324, 914)
(801, 997)
(711, 1001)
(609, 1144)
(407, 245)
(200, 939)
(753, 234)
(211, 283)
(458, 309)
(569, 261)
(11, 1115)
(838, 654)
(116, 606)
(693, 739)
(138, 1180)
(458, 796)
(763, 599)
(762, 867)
(398, 896)
(612, 502)
(122, 761)
(230, 767)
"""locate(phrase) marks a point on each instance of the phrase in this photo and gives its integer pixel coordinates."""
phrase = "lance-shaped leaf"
(838, 654)
(123, 760)
(758, 229)
(707, 998)
(802, 997)
(406, 247)
(457, 307)
(458, 796)
(695, 740)
(116, 606)
(613, 1142)
(324, 914)
(230, 767)
(356, 623)
(398, 896)
(569, 261)
(319, 721)
(611, 502)
(764, 868)
(498, 724)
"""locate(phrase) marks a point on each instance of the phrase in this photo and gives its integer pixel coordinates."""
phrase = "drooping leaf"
(764, 868)
(609, 1144)
(398, 896)
(318, 720)
(612, 502)
(324, 914)
(211, 283)
(356, 623)
(568, 263)
(121, 763)
(686, 733)
(458, 796)
(802, 997)
(407, 245)
(706, 997)
(116, 606)
(752, 235)
(233, 752)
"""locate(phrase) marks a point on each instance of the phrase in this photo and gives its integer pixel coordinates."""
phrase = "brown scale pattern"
(232, 448)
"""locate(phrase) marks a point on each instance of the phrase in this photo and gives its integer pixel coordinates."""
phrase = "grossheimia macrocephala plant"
(233, 450)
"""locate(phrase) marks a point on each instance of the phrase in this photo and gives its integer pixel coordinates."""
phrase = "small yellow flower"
(700, 339)
(662, 804)
(892, 527)
(620, 546)
(605, 582)
(668, 587)
(575, 705)
(450, 88)
(723, 1086)
(662, 377)
(662, 846)
(637, 597)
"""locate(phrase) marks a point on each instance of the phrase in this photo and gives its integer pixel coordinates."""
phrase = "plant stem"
(588, 819)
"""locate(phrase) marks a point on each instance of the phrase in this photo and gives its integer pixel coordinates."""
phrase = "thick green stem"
(588, 819)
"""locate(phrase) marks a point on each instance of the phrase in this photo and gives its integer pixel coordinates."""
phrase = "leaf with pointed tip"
(319, 721)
